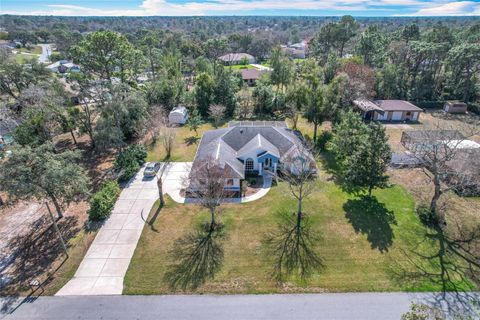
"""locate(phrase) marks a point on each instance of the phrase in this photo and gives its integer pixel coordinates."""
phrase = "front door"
(267, 164)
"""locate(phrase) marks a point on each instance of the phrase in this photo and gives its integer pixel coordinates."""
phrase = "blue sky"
(241, 7)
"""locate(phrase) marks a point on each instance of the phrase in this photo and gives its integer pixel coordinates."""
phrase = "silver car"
(151, 169)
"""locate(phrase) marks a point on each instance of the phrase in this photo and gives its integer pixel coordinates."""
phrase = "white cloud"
(236, 7)
(461, 8)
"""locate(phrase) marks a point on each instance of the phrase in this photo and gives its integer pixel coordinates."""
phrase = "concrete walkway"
(175, 176)
(260, 67)
(348, 306)
(46, 52)
(104, 266)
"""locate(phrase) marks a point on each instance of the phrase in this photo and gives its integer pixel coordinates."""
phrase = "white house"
(179, 115)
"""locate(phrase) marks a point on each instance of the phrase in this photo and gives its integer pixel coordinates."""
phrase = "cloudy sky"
(241, 7)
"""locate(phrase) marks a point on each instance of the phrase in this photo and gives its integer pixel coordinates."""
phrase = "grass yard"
(239, 67)
(24, 58)
(32, 50)
(365, 246)
(186, 144)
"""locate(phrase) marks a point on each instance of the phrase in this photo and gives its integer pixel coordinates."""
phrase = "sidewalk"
(104, 266)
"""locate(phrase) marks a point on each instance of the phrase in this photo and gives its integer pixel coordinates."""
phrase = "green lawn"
(24, 58)
(365, 246)
(32, 50)
(239, 67)
(186, 143)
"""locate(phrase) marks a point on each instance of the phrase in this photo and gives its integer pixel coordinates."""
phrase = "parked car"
(151, 169)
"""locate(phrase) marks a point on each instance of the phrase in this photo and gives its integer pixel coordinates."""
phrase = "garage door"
(382, 117)
(397, 116)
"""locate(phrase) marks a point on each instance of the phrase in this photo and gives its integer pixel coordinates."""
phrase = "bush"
(128, 161)
(322, 140)
(103, 201)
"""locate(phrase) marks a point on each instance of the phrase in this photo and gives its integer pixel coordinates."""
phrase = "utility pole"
(56, 228)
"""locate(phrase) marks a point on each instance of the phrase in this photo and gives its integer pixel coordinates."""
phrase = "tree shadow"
(152, 221)
(293, 248)
(191, 140)
(370, 217)
(32, 255)
(198, 257)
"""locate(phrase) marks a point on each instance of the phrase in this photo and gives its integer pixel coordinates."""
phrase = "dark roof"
(251, 74)
(396, 105)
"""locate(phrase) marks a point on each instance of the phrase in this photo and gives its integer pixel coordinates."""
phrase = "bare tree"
(447, 160)
(244, 107)
(299, 171)
(293, 244)
(158, 120)
(206, 183)
(160, 175)
(167, 136)
(217, 113)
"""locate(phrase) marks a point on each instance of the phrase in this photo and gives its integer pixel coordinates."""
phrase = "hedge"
(128, 161)
(103, 201)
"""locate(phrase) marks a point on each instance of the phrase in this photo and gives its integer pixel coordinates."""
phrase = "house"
(250, 76)
(387, 110)
(292, 52)
(462, 156)
(236, 58)
(178, 115)
(250, 148)
(63, 66)
(455, 107)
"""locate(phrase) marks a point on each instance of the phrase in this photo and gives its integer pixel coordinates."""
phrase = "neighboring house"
(178, 115)
(293, 52)
(463, 169)
(250, 76)
(455, 107)
(236, 58)
(387, 110)
(7, 125)
(250, 148)
(63, 66)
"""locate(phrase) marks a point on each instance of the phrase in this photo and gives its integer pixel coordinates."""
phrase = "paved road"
(46, 52)
(349, 306)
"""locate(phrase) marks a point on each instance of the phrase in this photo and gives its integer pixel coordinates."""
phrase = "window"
(229, 182)
(409, 113)
(249, 164)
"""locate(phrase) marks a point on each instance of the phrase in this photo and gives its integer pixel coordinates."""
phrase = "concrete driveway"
(104, 266)
(46, 52)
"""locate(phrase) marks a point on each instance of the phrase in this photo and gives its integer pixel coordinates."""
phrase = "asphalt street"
(350, 306)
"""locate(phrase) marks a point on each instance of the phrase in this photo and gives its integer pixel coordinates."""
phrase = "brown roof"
(253, 74)
(396, 105)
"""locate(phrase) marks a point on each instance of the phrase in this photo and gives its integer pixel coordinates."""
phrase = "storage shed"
(178, 115)
(455, 107)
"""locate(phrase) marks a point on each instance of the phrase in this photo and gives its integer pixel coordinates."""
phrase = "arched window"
(249, 164)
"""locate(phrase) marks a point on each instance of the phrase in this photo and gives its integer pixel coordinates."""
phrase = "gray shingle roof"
(259, 142)
(227, 144)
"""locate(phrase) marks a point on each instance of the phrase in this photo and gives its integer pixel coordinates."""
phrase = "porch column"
(260, 164)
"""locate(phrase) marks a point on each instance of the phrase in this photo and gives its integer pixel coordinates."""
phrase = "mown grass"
(185, 146)
(365, 246)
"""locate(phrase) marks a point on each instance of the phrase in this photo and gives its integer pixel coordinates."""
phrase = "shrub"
(128, 161)
(103, 200)
(322, 140)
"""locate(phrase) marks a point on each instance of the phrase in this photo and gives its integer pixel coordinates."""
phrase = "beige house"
(387, 110)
